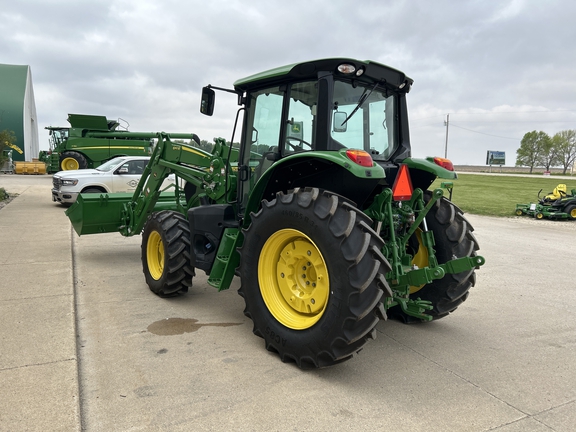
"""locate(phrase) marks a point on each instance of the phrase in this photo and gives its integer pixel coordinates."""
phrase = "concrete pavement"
(86, 346)
(38, 360)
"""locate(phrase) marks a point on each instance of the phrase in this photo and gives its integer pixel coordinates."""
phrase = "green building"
(18, 110)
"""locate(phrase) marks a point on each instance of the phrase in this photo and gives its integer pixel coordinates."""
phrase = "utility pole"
(447, 124)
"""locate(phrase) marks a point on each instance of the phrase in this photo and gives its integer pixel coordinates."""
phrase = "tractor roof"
(370, 71)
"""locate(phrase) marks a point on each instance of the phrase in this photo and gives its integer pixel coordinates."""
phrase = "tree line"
(538, 149)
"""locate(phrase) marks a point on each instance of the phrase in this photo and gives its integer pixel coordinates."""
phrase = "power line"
(482, 133)
(497, 113)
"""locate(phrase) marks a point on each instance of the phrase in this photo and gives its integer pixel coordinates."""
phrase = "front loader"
(320, 210)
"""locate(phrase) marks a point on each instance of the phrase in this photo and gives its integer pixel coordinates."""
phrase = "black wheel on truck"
(72, 160)
(166, 253)
(453, 239)
(312, 277)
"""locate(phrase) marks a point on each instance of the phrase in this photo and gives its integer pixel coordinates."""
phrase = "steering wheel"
(299, 147)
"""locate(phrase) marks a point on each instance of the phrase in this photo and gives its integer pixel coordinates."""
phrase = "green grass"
(498, 195)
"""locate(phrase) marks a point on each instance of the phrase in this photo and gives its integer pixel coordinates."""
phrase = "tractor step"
(227, 259)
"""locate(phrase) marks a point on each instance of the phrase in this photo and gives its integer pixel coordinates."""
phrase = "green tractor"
(90, 141)
(320, 210)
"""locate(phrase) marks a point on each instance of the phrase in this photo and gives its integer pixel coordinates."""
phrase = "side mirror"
(122, 170)
(339, 124)
(207, 103)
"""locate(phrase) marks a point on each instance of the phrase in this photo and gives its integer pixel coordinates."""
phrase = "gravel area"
(563, 224)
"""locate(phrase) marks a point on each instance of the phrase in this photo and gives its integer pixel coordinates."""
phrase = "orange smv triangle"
(402, 189)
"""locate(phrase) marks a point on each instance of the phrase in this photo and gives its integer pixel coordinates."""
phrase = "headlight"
(69, 182)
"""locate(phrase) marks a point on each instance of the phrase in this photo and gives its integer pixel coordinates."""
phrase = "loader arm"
(148, 190)
(127, 213)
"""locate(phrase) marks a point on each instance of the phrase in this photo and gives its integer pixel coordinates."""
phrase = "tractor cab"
(297, 115)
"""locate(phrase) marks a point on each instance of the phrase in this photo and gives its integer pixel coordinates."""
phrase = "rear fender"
(332, 171)
(423, 172)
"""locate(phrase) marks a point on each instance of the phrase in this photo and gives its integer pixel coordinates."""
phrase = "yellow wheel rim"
(539, 215)
(518, 212)
(70, 164)
(420, 259)
(573, 213)
(293, 279)
(155, 255)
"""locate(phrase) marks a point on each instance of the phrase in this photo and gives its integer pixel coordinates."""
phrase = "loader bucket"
(103, 213)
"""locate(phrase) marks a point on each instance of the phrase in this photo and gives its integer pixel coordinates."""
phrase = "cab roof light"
(360, 157)
(444, 163)
(346, 68)
(402, 188)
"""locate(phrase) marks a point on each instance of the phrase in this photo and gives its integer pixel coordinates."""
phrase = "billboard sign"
(495, 158)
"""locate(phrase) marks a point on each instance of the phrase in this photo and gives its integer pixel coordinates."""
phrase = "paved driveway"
(504, 361)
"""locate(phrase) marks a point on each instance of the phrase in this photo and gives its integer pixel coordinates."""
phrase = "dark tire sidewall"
(338, 332)
(169, 284)
(301, 220)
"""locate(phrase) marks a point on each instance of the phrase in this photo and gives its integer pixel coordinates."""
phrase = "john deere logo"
(296, 128)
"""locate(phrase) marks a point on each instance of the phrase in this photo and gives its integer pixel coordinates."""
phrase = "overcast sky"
(498, 68)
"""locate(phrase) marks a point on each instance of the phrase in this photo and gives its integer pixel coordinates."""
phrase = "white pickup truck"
(120, 174)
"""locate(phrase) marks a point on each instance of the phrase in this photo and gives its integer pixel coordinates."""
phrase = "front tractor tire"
(453, 239)
(313, 277)
(72, 160)
(166, 254)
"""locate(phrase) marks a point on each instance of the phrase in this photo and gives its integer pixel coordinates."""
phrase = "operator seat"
(268, 159)
(558, 192)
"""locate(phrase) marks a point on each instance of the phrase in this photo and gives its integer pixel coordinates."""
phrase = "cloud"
(147, 60)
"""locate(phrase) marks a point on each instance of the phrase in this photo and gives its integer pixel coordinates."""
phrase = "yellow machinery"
(34, 167)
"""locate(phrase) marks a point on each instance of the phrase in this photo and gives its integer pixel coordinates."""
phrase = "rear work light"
(360, 157)
(402, 188)
(444, 163)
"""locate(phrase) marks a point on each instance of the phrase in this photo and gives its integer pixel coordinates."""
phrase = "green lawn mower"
(558, 204)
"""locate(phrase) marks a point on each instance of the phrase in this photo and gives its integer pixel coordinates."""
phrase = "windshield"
(111, 164)
(57, 136)
(364, 118)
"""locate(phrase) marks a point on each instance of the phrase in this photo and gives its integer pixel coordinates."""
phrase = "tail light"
(360, 157)
(444, 163)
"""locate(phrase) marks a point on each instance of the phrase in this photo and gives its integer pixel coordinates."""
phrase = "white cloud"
(146, 60)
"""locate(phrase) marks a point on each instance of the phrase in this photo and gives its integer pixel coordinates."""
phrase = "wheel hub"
(155, 255)
(70, 164)
(293, 279)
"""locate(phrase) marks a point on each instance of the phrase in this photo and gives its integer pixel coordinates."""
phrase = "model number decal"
(299, 216)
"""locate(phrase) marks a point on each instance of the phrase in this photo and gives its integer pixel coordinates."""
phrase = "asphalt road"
(504, 361)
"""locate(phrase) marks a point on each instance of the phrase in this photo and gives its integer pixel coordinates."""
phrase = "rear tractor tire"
(72, 160)
(313, 277)
(166, 254)
(453, 239)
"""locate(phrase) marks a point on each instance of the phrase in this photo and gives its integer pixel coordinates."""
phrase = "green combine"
(321, 211)
(92, 140)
